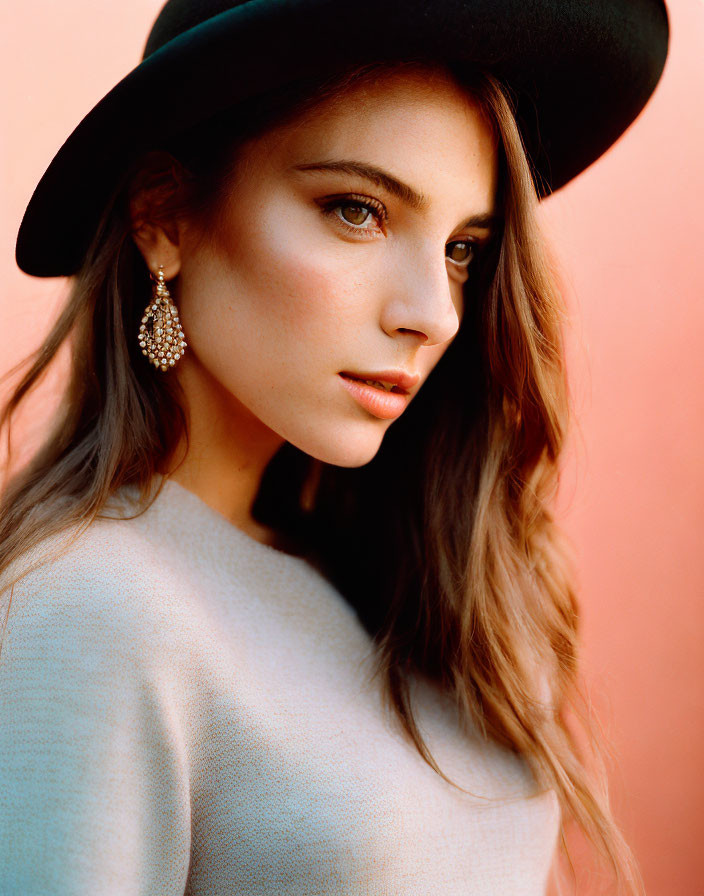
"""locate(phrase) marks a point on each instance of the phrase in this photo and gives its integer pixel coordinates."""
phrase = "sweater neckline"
(172, 496)
(176, 491)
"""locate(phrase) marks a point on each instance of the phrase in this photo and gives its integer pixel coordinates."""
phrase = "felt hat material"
(580, 71)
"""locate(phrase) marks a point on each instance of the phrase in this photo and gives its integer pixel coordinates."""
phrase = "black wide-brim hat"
(580, 72)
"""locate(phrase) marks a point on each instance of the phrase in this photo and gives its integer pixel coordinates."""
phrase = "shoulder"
(94, 592)
(83, 639)
(92, 756)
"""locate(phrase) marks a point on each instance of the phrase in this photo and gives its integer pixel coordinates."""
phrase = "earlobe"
(157, 247)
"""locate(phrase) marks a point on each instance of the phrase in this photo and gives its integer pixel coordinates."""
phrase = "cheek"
(287, 271)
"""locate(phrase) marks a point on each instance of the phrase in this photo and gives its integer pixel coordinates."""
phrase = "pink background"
(630, 235)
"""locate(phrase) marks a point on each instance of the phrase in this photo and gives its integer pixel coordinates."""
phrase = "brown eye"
(460, 251)
(354, 213)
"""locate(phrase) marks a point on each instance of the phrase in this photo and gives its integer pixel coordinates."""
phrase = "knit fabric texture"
(185, 710)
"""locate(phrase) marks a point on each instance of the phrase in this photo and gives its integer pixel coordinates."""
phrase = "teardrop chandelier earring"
(160, 335)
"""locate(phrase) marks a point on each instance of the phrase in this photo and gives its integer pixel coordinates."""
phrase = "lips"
(389, 380)
(386, 405)
(377, 384)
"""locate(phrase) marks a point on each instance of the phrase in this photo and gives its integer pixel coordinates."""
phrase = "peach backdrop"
(630, 234)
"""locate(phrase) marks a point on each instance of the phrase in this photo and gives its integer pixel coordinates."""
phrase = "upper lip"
(405, 381)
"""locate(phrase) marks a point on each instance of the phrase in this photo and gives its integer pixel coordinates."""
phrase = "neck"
(227, 452)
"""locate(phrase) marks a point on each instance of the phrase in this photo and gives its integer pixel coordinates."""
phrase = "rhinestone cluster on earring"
(160, 335)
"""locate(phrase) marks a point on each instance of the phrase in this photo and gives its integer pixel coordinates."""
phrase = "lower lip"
(379, 402)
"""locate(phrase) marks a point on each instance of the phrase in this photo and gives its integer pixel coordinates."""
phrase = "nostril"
(415, 332)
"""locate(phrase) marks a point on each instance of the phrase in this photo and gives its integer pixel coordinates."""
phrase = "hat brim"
(580, 72)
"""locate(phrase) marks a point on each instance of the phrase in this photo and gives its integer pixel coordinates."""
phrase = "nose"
(421, 298)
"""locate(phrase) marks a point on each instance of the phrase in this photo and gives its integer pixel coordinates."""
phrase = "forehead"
(425, 129)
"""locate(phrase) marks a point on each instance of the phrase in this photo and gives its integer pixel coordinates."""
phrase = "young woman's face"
(342, 249)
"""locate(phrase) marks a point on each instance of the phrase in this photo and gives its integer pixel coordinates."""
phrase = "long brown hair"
(444, 542)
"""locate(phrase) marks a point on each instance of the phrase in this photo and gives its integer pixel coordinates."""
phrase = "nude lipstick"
(378, 401)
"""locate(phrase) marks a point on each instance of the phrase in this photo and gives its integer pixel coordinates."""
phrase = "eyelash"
(329, 208)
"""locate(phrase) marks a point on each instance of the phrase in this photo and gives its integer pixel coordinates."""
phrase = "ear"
(155, 232)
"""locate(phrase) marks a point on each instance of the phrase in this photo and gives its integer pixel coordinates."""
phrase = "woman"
(301, 473)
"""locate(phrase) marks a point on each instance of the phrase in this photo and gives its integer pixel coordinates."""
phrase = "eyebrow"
(413, 198)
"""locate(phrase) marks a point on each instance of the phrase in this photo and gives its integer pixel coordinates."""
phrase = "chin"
(344, 449)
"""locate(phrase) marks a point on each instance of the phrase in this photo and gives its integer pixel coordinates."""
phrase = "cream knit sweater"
(184, 710)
